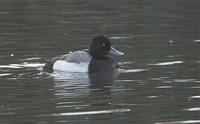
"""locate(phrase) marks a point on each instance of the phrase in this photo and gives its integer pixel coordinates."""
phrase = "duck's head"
(101, 47)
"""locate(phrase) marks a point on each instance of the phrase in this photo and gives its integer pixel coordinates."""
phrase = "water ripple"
(195, 97)
(196, 40)
(30, 59)
(195, 87)
(193, 109)
(126, 63)
(5, 74)
(122, 37)
(164, 87)
(167, 63)
(152, 97)
(90, 112)
(132, 70)
(22, 65)
(9, 66)
(180, 122)
(184, 80)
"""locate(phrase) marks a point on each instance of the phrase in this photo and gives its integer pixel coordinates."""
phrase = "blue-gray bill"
(113, 51)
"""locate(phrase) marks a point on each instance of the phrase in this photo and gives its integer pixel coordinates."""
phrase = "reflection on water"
(101, 80)
(158, 82)
(168, 63)
(181, 122)
(90, 112)
(83, 83)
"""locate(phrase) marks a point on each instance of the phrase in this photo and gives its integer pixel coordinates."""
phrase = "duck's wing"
(74, 57)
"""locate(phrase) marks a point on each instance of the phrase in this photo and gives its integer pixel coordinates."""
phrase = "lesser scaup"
(95, 60)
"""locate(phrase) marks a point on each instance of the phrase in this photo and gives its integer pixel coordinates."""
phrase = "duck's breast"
(99, 66)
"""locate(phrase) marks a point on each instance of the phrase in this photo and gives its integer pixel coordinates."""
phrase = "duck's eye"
(103, 44)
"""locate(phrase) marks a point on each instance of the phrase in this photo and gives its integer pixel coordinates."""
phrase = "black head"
(100, 47)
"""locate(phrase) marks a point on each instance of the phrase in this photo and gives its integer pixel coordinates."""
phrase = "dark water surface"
(158, 82)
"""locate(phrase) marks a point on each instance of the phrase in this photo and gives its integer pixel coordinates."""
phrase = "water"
(158, 82)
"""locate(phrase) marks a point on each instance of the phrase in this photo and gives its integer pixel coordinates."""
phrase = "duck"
(95, 59)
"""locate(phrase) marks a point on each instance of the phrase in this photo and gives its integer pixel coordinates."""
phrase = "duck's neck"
(100, 57)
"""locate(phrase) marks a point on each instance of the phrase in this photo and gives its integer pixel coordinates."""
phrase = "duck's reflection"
(83, 84)
(101, 86)
(93, 80)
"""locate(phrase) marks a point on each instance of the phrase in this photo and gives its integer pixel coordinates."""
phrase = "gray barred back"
(76, 57)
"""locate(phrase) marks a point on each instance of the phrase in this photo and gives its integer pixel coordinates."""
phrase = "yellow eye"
(103, 44)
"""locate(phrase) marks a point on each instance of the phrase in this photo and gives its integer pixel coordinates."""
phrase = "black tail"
(48, 67)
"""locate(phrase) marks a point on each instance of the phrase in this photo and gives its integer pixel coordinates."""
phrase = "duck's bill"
(113, 51)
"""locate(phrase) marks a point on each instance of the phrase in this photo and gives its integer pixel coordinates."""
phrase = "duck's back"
(76, 57)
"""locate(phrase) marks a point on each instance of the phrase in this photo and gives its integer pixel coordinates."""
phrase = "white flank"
(70, 67)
